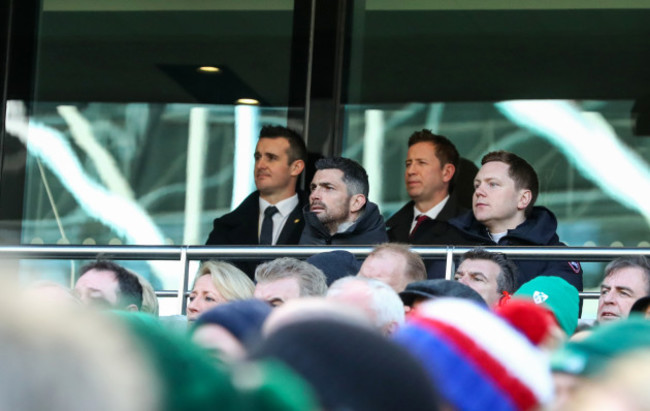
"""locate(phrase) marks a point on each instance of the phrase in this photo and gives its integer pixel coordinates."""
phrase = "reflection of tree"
(114, 210)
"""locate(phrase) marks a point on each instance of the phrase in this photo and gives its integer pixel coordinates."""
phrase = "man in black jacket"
(272, 214)
(339, 212)
(431, 164)
(504, 213)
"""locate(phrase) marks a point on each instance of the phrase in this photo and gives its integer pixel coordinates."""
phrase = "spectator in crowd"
(476, 359)
(626, 280)
(420, 291)
(491, 275)
(504, 213)
(558, 296)
(107, 284)
(623, 385)
(350, 367)
(581, 361)
(217, 282)
(431, 164)
(335, 264)
(339, 212)
(149, 298)
(273, 213)
(394, 264)
(286, 278)
(376, 299)
(228, 329)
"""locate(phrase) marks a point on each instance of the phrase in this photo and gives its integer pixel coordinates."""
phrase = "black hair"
(297, 149)
(354, 175)
(128, 283)
(507, 279)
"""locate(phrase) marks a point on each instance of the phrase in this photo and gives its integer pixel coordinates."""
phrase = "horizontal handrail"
(184, 254)
(139, 252)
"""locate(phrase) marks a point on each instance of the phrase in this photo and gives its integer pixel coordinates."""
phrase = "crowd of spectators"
(335, 333)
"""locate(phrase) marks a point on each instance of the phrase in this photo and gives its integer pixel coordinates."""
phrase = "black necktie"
(266, 236)
(419, 220)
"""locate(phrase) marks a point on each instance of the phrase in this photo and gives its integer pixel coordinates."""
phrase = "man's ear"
(296, 168)
(131, 307)
(525, 197)
(357, 202)
(448, 171)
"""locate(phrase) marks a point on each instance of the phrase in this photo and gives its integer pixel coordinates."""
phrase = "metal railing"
(185, 254)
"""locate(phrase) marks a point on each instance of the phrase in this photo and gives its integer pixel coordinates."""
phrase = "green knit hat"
(610, 340)
(558, 295)
(191, 379)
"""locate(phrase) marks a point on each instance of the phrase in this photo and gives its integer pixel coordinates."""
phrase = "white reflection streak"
(373, 152)
(50, 145)
(196, 153)
(246, 125)
(82, 133)
(590, 144)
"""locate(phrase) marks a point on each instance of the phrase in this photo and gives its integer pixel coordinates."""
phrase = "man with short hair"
(380, 303)
(504, 213)
(626, 280)
(339, 212)
(109, 285)
(491, 275)
(287, 278)
(272, 214)
(431, 164)
(394, 264)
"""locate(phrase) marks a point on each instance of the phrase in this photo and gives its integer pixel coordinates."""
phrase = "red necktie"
(419, 220)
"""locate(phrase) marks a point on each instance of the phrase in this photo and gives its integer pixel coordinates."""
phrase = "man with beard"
(339, 212)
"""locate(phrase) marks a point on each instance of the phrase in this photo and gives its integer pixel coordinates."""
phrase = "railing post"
(182, 287)
(449, 263)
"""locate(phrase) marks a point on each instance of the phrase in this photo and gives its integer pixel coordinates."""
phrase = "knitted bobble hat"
(558, 295)
(476, 360)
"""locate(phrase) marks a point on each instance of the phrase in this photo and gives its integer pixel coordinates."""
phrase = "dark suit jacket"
(240, 227)
(399, 225)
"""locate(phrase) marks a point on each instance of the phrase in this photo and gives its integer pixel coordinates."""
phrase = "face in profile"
(618, 293)
(329, 198)
(426, 179)
(204, 296)
(273, 172)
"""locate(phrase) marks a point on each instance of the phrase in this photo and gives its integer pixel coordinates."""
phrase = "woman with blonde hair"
(216, 283)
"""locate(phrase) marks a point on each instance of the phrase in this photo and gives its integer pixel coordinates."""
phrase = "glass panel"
(562, 86)
(129, 141)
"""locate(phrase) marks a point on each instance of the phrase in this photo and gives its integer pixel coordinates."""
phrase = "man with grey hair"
(286, 278)
(626, 280)
(376, 299)
(394, 264)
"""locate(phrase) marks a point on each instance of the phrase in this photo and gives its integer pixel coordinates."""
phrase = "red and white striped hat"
(476, 359)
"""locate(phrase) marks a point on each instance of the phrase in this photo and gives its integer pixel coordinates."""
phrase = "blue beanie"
(242, 318)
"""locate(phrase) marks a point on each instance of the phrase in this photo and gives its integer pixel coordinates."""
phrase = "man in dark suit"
(431, 164)
(272, 214)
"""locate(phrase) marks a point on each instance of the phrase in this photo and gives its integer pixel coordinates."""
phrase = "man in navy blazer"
(273, 213)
